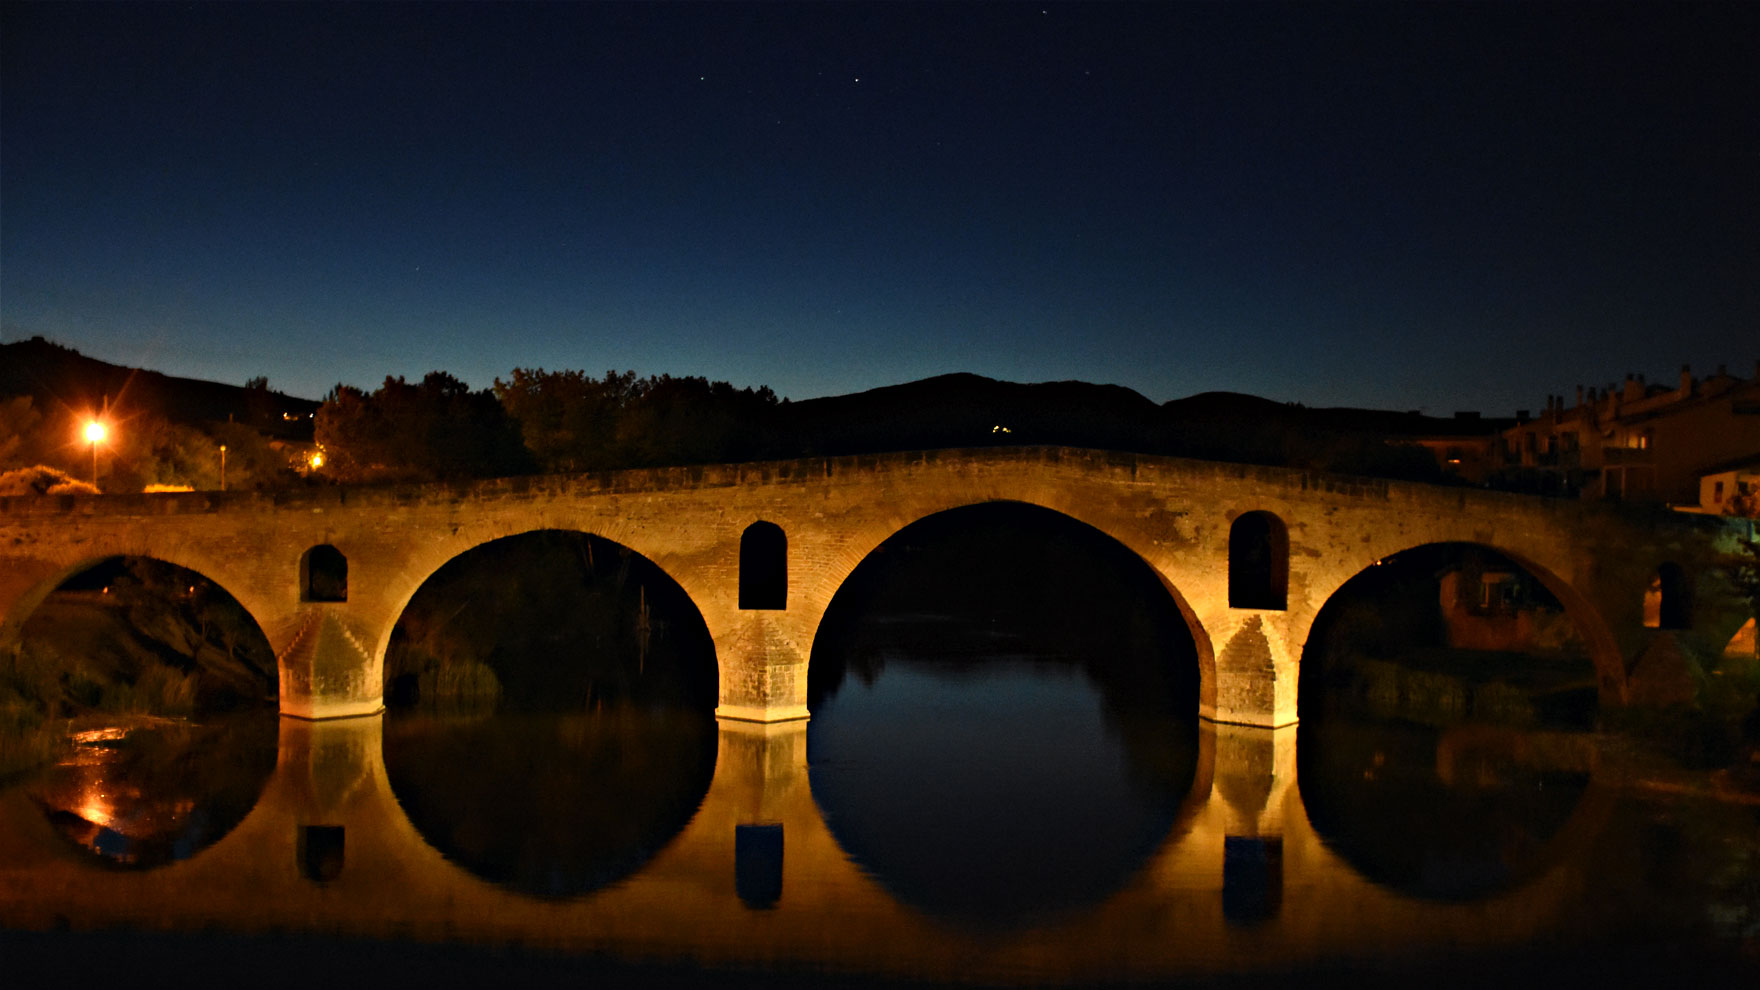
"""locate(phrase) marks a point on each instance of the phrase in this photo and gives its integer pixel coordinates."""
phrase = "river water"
(997, 793)
(997, 822)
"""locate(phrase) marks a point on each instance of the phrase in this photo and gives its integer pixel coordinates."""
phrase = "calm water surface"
(983, 812)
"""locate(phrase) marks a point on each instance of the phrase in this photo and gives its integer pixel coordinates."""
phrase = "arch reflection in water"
(141, 793)
(1019, 733)
(1441, 814)
(551, 805)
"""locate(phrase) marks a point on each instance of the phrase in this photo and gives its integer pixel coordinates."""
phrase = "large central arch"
(1018, 729)
(863, 545)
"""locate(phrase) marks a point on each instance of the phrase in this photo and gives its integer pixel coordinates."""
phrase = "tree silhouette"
(434, 430)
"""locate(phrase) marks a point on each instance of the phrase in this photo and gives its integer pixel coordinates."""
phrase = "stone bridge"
(1248, 555)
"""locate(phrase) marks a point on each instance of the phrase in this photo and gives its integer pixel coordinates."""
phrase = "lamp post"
(222, 467)
(95, 433)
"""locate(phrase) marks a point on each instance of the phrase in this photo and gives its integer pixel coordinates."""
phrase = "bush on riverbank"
(28, 734)
(1443, 686)
(1715, 729)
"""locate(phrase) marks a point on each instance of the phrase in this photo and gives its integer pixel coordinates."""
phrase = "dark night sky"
(1406, 206)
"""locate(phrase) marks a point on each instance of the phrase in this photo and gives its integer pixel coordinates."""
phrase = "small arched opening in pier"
(323, 575)
(1668, 601)
(1258, 562)
(763, 567)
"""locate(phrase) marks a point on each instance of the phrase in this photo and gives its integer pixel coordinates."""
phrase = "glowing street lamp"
(95, 433)
(317, 460)
(222, 467)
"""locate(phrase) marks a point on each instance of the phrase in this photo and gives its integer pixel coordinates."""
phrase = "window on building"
(1258, 562)
(763, 567)
(323, 575)
(1498, 592)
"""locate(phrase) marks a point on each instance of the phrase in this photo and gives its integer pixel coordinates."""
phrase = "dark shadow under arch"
(1416, 574)
(854, 594)
(136, 622)
(562, 621)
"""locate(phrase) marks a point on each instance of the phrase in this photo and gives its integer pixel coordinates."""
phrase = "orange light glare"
(95, 432)
(317, 461)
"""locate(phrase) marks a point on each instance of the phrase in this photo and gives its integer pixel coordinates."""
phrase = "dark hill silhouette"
(57, 377)
(966, 410)
(953, 410)
(1234, 427)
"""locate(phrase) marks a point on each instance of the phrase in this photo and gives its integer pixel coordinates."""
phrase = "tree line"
(540, 421)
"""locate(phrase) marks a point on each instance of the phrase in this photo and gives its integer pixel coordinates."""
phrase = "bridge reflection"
(755, 877)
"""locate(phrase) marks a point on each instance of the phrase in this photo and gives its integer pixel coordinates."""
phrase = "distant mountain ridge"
(962, 410)
(56, 376)
(951, 410)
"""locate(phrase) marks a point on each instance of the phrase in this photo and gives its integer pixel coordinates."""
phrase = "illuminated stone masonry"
(327, 572)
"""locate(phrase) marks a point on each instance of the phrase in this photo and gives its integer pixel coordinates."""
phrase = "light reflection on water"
(154, 791)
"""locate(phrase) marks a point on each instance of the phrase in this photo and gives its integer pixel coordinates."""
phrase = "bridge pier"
(1256, 669)
(326, 672)
(763, 660)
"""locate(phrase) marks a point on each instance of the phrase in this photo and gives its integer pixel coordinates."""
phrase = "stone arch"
(763, 567)
(1258, 562)
(416, 577)
(1603, 648)
(323, 575)
(1668, 601)
(31, 580)
(855, 551)
(41, 578)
